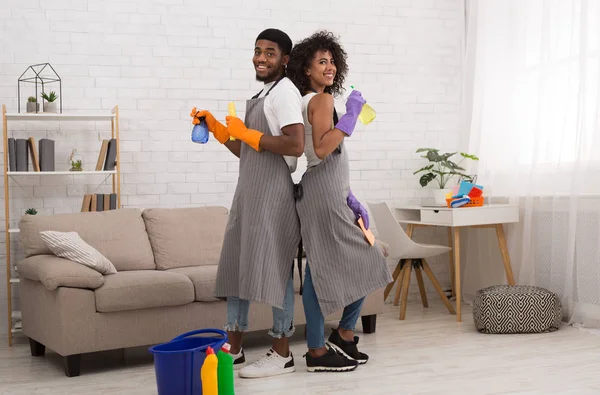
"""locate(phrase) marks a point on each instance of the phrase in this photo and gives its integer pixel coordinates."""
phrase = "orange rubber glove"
(238, 130)
(215, 127)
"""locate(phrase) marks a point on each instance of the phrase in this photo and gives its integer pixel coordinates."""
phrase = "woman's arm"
(320, 115)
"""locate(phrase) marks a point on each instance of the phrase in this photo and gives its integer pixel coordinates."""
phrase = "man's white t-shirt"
(283, 107)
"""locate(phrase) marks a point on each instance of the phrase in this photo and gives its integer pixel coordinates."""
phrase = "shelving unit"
(14, 317)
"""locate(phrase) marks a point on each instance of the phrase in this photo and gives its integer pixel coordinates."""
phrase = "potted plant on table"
(442, 170)
(50, 104)
(32, 104)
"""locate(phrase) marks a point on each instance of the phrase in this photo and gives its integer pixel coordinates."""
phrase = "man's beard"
(274, 73)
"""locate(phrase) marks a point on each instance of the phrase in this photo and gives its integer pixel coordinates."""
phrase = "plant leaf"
(448, 155)
(426, 168)
(451, 165)
(472, 157)
(426, 149)
(433, 156)
(426, 179)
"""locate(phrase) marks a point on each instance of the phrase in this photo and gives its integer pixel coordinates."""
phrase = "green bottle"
(225, 370)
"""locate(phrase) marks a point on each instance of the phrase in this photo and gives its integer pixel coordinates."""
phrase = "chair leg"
(388, 289)
(421, 286)
(405, 286)
(399, 283)
(437, 287)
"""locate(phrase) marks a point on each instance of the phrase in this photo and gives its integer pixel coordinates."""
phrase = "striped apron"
(263, 230)
(343, 265)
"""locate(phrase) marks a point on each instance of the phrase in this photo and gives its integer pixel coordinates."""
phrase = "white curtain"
(532, 115)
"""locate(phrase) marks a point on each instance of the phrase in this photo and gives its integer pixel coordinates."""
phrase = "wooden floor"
(429, 353)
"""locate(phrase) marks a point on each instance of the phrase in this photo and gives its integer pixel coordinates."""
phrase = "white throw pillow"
(70, 245)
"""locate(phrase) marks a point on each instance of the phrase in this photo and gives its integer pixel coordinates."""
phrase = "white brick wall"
(157, 59)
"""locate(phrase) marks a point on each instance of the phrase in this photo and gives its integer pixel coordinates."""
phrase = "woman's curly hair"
(303, 54)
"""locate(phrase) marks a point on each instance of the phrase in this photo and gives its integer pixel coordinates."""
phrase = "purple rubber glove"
(358, 209)
(354, 106)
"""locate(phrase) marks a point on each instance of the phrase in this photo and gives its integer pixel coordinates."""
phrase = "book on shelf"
(43, 157)
(99, 202)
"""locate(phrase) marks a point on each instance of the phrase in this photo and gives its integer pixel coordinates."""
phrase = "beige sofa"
(167, 264)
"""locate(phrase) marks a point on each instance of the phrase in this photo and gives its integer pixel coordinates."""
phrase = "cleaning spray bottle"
(208, 373)
(367, 114)
(200, 132)
(225, 371)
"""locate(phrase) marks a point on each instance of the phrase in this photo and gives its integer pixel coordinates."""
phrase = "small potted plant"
(76, 161)
(442, 170)
(30, 211)
(50, 104)
(32, 104)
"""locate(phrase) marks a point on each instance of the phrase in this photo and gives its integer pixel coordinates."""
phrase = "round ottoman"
(516, 309)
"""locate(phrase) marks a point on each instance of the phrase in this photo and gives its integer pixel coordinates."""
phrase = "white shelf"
(15, 230)
(58, 117)
(58, 173)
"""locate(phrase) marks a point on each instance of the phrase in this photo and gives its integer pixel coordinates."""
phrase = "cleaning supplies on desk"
(465, 194)
(225, 370)
(208, 373)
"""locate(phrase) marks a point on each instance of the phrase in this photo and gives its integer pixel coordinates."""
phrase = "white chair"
(409, 255)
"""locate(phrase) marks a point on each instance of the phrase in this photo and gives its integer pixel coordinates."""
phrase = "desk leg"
(456, 248)
(505, 255)
(451, 262)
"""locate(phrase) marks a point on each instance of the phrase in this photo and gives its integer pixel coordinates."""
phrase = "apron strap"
(300, 265)
(270, 89)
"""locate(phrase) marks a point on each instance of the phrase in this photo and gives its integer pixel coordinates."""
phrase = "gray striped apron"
(343, 265)
(263, 230)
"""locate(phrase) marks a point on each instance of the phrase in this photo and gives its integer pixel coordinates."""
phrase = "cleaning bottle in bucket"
(208, 373)
(367, 114)
(225, 370)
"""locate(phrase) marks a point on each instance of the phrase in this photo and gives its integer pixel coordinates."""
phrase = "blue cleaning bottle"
(200, 132)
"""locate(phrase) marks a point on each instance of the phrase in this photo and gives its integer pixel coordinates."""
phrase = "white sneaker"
(271, 364)
(239, 360)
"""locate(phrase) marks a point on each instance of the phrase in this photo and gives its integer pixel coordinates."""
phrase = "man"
(263, 231)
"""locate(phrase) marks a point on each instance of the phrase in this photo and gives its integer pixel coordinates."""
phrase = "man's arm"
(290, 143)
(234, 146)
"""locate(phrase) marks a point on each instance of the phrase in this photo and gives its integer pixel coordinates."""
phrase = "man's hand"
(215, 127)
(239, 131)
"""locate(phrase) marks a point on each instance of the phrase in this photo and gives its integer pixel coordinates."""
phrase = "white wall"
(157, 59)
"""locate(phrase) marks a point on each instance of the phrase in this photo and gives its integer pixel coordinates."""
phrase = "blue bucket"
(177, 363)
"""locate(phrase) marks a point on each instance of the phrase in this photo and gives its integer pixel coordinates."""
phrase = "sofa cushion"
(56, 272)
(143, 289)
(120, 235)
(183, 237)
(70, 245)
(203, 278)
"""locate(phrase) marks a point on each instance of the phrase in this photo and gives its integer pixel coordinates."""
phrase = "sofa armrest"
(54, 272)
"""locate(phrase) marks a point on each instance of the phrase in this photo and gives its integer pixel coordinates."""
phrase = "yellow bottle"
(208, 373)
(232, 113)
(367, 114)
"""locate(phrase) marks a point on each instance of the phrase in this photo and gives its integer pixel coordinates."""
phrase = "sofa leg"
(72, 365)
(37, 349)
(369, 323)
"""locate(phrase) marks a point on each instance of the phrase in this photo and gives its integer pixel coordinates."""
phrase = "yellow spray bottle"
(367, 114)
(208, 373)
(232, 113)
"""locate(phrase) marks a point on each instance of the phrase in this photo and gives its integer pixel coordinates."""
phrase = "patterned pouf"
(516, 309)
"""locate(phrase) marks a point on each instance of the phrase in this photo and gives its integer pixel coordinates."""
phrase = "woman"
(343, 266)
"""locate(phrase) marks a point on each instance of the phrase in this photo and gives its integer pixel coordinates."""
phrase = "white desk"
(488, 216)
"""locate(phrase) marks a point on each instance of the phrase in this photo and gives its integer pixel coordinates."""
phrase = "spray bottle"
(367, 114)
